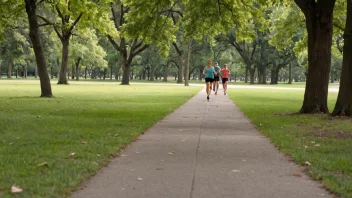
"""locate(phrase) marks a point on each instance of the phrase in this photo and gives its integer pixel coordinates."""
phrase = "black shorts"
(209, 80)
(216, 78)
(225, 80)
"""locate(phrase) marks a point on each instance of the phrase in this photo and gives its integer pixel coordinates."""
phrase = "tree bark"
(38, 48)
(343, 106)
(166, 71)
(111, 71)
(126, 64)
(85, 72)
(64, 60)
(319, 16)
(252, 73)
(152, 72)
(0, 70)
(9, 67)
(73, 72)
(77, 68)
(246, 75)
(105, 70)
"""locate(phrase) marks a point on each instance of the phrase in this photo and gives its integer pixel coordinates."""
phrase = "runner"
(209, 77)
(216, 78)
(225, 72)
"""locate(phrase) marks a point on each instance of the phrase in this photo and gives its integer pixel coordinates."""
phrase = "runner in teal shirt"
(209, 77)
(216, 78)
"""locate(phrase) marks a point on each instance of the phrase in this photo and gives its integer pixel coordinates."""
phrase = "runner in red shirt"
(225, 72)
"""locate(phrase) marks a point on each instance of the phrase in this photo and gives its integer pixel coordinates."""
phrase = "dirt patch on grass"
(330, 133)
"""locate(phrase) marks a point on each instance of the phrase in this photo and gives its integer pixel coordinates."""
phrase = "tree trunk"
(111, 70)
(246, 75)
(148, 73)
(252, 73)
(166, 71)
(126, 71)
(85, 72)
(9, 68)
(64, 61)
(272, 77)
(0, 70)
(263, 75)
(343, 104)
(36, 72)
(16, 73)
(319, 16)
(105, 70)
(38, 48)
(77, 68)
(188, 63)
(290, 74)
(180, 69)
(152, 72)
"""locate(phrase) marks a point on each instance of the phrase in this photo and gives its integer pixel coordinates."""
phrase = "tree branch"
(114, 44)
(75, 23)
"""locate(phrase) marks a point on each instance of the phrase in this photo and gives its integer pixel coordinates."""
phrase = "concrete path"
(202, 150)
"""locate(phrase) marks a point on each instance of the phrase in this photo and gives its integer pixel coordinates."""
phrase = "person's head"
(209, 62)
(216, 64)
(225, 66)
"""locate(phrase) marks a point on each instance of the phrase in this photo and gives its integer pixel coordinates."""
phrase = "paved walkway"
(202, 150)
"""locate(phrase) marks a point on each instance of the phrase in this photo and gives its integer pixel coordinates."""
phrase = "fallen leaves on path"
(16, 189)
(297, 174)
(236, 171)
(171, 153)
(307, 163)
(140, 179)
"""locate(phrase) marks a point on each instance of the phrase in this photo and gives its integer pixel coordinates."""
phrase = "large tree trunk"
(126, 71)
(319, 16)
(36, 72)
(252, 73)
(343, 104)
(166, 71)
(38, 48)
(85, 72)
(64, 61)
(105, 70)
(9, 68)
(272, 77)
(246, 75)
(0, 70)
(77, 67)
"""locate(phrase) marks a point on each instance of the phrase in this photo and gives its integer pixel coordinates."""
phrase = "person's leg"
(226, 86)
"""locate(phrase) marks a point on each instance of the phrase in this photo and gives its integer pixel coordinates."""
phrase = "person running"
(216, 78)
(209, 77)
(225, 72)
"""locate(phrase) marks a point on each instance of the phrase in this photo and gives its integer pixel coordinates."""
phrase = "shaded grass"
(92, 121)
(312, 138)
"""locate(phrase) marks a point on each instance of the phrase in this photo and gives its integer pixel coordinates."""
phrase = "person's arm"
(215, 71)
(229, 71)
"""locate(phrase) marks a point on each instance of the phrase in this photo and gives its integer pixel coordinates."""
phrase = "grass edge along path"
(323, 141)
(50, 146)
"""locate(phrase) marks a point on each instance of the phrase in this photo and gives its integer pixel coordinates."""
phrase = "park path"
(202, 150)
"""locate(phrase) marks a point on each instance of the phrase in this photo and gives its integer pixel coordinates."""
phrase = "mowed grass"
(323, 141)
(49, 146)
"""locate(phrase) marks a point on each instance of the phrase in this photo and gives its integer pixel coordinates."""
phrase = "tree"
(318, 17)
(68, 16)
(31, 10)
(140, 24)
(343, 104)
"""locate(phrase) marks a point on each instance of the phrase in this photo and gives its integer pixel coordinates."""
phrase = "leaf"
(72, 154)
(297, 174)
(16, 189)
(307, 163)
(140, 179)
(317, 145)
(171, 153)
(42, 164)
(84, 142)
(235, 171)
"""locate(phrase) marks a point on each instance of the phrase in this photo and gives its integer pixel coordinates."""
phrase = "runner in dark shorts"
(216, 78)
(225, 72)
(209, 73)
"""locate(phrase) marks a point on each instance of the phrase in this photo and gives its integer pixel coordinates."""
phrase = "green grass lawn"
(74, 134)
(323, 141)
